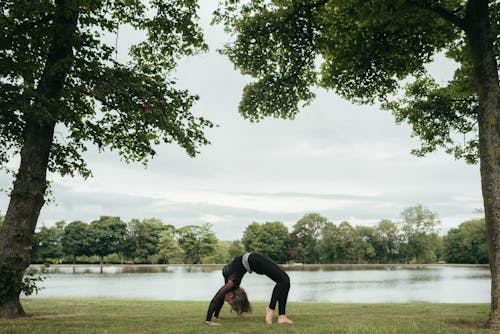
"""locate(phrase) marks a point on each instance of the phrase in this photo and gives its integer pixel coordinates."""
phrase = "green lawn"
(54, 316)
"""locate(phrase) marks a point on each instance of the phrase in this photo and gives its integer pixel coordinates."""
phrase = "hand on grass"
(211, 323)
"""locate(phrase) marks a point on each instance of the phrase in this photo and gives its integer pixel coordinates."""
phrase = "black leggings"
(263, 265)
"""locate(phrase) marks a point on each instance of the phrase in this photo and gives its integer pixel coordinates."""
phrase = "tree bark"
(480, 40)
(27, 196)
(25, 203)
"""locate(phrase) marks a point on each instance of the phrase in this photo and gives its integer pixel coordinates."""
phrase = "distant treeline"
(314, 239)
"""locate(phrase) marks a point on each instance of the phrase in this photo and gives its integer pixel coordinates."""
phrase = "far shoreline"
(293, 266)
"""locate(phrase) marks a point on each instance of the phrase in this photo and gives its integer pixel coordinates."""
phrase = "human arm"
(218, 300)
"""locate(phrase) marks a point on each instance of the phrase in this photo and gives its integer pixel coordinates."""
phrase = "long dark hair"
(239, 303)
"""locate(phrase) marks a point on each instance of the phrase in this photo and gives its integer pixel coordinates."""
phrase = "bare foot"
(269, 315)
(282, 319)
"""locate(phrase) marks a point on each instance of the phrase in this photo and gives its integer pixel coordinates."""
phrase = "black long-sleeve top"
(233, 273)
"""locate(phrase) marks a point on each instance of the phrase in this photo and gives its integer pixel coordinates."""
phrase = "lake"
(391, 284)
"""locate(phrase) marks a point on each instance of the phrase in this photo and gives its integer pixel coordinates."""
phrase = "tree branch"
(442, 12)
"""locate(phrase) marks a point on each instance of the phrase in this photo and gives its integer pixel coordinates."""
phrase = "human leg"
(262, 264)
(280, 296)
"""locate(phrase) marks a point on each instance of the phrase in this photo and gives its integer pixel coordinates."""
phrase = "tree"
(250, 239)
(362, 50)
(196, 242)
(417, 225)
(56, 69)
(435, 250)
(168, 247)
(366, 235)
(467, 243)
(350, 247)
(235, 249)
(386, 241)
(270, 238)
(292, 252)
(76, 240)
(108, 235)
(328, 244)
(48, 244)
(454, 248)
(143, 238)
(220, 254)
(308, 232)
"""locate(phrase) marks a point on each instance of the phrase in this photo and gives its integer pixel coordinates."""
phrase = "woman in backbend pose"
(236, 296)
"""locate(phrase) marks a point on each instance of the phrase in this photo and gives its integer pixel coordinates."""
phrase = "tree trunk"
(26, 201)
(27, 196)
(480, 39)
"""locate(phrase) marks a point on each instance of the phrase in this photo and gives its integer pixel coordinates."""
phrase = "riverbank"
(78, 316)
(37, 268)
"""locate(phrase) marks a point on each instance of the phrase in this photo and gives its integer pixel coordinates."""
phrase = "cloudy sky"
(344, 161)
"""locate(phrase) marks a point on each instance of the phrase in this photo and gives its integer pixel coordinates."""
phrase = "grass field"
(52, 316)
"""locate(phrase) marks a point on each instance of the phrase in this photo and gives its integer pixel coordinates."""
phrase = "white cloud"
(345, 161)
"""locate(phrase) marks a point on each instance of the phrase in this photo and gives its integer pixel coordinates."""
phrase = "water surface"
(437, 284)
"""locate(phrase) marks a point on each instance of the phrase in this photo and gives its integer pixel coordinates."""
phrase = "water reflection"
(429, 284)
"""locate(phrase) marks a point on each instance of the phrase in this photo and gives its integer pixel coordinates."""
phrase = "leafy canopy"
(270, 238)
(363, 51)
(143, 237)
(128, 107)
(467, 243)
(308, 234)
(419, 227)
(196, 241)
(76, 240)
(108, 235)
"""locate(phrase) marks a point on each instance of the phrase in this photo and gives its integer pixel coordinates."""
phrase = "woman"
(236, 296)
